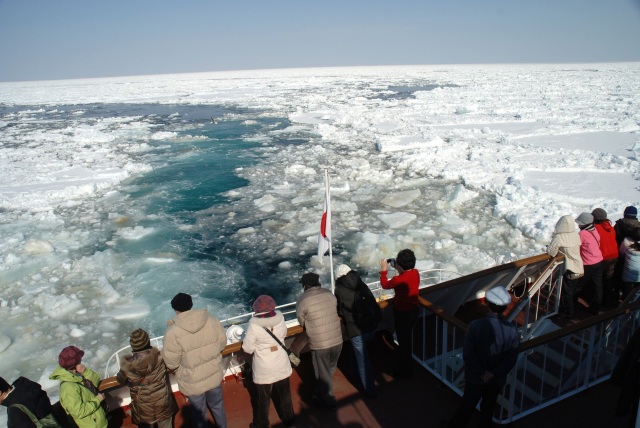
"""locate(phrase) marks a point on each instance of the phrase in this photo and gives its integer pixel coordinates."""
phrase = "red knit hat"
(70, 357)
(264, 306)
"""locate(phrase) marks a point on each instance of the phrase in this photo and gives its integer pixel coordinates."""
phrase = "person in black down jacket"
(347, 282)
(29, 394)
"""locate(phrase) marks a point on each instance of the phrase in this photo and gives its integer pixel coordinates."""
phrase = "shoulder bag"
(295, 361)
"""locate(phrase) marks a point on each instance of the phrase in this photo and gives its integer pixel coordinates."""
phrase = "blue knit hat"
(630, 212)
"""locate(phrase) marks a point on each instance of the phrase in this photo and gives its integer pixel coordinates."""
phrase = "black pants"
(281, 393)
(592, 281)
(403, 323)
(472, 394)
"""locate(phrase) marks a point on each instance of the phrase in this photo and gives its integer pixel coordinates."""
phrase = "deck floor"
(421, 401)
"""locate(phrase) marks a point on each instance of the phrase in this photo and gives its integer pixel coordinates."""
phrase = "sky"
(48, 40)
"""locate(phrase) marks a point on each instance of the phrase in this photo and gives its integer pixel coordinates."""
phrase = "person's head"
(599, 215)
(264, 306)
(309, 280)
(4, 389)
(497, 299)
(631, 212)
(139, 340)
(584, 220)
(181, 302)
(4, 385)
(70, 357)
(342, 270)
(406, 259)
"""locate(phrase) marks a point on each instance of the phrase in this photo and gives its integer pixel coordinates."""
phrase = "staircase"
(557, 359)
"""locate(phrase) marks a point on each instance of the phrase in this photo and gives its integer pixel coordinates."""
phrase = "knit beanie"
(342, 270)
(599, 215)
(70, 357)
(181, 302)
(264, 306)
(139, 340)
(630, 212)
(584, 218)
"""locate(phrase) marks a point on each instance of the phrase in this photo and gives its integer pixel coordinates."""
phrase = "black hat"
(181, 302)
(310, 279)
(630, 212)
(599, 214)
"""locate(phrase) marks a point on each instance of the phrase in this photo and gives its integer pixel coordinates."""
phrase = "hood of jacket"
(25, 391)
(191, 321)
(64, 375)
(566, 224)
(606, 225)
(143, 362)
(349, 281)
(268, 322)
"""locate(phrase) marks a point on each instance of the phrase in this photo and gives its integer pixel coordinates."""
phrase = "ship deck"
(420, 401)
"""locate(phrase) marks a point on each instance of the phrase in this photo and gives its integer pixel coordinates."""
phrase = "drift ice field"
(118, 193)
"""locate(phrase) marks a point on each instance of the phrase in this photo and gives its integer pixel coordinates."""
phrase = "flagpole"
(326, 181)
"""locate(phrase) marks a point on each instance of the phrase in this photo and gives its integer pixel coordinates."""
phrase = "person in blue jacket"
(490, 351)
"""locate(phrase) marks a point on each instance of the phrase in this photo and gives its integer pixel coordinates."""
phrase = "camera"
(392, 262)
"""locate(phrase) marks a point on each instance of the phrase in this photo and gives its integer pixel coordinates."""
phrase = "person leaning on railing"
(566, 240)
(145, 373)
(489, 352)
(405, 305)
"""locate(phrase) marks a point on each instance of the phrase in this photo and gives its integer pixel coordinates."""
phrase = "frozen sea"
(115, 194)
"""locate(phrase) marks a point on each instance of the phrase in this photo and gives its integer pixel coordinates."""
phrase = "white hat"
(342, 270)
(498, 296)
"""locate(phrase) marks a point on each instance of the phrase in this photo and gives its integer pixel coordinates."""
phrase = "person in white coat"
(270, 366)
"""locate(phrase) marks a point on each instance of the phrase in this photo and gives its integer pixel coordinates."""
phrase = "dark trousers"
(472, 394)
(592, 280)
(403, 323)
(280, 392)
(325, 362)
(570, 290)
(609, 286)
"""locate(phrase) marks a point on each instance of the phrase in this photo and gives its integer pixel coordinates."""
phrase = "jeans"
(360, 345)
(325, 362)
(213, 400)
(280, 391)
(403, 323)
(472, 394)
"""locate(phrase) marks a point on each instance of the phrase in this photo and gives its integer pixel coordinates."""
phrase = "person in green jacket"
(79, 395)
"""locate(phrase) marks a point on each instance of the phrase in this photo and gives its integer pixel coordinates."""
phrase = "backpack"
(366, 312)
(47, 422)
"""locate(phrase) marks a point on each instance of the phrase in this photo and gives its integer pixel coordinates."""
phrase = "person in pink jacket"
(591, 260)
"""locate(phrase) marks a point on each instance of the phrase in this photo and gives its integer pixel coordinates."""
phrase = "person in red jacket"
(405, 304)
(609, 249)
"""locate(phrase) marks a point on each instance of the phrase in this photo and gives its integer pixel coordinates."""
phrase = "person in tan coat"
(145, 373)
(192, 346)
(317, 312)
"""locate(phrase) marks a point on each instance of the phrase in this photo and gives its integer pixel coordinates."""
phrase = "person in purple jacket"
(591, 260)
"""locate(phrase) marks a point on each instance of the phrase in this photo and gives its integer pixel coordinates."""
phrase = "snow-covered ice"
(471, 167)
